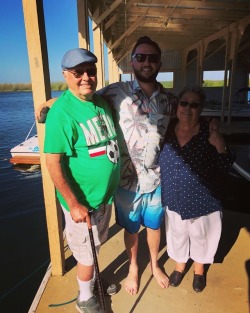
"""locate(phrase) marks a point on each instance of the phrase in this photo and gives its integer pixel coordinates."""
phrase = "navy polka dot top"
(189, 174)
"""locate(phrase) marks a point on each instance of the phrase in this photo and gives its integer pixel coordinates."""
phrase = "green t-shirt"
(84, 132)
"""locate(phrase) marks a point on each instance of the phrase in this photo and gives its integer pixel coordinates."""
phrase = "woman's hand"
(215, 137)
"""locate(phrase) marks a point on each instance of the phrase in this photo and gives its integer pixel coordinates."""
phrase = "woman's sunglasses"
(141, 57)
(193, 105)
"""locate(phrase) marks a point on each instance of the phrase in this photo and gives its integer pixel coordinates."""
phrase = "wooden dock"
(228, 279)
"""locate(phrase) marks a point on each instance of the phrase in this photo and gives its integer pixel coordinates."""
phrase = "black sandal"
(199, 282)
(175, 278)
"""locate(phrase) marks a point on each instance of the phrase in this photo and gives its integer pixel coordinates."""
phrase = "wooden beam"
(98, 51)
(25, 160)
(83, 24)
(184, 13)
(193, 4)
(116, 16)
(127, 32)
(112, 7)
(39, 71)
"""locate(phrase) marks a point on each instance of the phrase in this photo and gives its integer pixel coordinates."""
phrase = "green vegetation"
(206, 83)
(58, 86)
(15, 87)
(168, 84)
(27, 87)
(62, 85)
(213, 83)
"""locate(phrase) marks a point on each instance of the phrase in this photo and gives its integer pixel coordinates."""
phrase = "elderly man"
(80, 143)
(143, 110)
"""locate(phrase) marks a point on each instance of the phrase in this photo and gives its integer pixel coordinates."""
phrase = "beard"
(145, 79)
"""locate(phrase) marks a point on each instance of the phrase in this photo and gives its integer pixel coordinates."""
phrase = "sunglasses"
(193, 105)
(91, 72)
(141, 57)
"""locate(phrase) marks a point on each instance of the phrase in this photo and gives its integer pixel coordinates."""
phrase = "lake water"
(24, 251)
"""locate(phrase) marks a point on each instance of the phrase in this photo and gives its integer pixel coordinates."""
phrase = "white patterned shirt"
(141, 125)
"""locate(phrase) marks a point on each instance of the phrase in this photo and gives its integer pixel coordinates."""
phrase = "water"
(24, 250)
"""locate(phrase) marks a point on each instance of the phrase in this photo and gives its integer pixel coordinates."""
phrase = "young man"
(143, 109)
(79, 137)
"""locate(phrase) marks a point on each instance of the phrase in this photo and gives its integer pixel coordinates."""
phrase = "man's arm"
(78, 212)
(39, 108)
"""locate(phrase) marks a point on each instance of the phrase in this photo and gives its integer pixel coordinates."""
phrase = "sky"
(61, 32)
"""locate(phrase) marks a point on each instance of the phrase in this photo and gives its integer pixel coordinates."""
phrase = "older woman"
(193, 155)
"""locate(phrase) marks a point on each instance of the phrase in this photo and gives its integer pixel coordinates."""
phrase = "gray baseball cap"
(77, 56)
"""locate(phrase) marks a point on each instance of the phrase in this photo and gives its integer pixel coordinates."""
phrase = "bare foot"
(131, 282)
(160, 277)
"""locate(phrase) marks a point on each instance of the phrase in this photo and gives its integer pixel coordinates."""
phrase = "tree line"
(60, 86)
(27, 86)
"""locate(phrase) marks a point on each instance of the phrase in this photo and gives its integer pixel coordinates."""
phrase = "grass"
(27, 86)
(206, 83)
(213, 83)
(62, 85)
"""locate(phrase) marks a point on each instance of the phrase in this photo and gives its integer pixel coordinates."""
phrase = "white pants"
(197, 238)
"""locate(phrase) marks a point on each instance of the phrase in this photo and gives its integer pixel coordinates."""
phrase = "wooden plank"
(25, 160)
(98, 51)
(83, 25)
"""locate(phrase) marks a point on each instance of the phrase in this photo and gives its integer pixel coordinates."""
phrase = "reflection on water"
(28, 171)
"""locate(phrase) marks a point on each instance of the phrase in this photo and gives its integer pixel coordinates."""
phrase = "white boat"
(27, 152)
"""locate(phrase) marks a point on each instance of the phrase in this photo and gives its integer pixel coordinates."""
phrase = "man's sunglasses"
(91, 72)
(193, 105)
(141, 57)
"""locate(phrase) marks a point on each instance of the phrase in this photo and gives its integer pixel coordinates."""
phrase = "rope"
(60, 304)
(30, 131)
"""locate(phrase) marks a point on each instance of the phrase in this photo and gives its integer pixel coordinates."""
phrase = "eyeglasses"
(141, 57)
(91, 72)
(193, 105)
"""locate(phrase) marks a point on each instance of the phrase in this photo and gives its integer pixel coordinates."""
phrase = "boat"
(27, 152)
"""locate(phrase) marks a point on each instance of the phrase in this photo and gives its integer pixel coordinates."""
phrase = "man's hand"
(39, 108)
(80, 214)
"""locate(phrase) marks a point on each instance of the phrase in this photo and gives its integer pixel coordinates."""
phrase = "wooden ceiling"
(174, 24)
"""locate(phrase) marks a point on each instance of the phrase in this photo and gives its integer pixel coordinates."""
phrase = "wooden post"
(38, 60)
(83, 24)
(226, 70)
(98, 51)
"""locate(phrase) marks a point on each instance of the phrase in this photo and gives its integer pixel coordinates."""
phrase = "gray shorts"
(77, 234)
